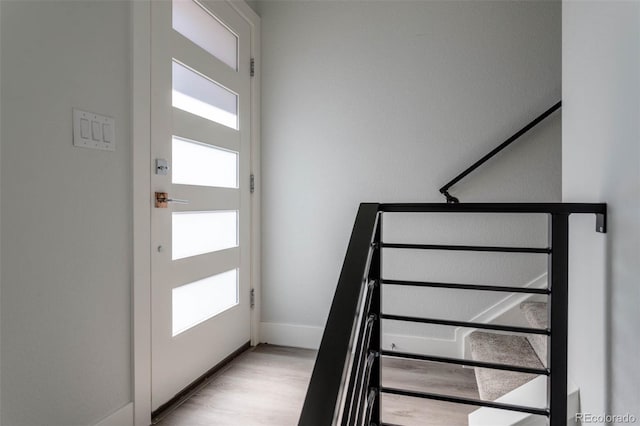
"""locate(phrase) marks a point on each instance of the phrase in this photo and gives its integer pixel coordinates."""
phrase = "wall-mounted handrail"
(445, 189)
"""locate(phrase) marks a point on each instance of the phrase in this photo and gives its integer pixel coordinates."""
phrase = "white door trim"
(254, 21)
(141, 155)
(142, 200)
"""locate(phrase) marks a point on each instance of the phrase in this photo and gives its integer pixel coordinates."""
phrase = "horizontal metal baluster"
(467, 401)
(468, 363)
(524, 330)
(475, 287)
(497, 249)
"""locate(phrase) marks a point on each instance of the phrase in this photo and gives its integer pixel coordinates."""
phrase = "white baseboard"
(420, 345)
(294, 335)
(122, 417)
(309, 337)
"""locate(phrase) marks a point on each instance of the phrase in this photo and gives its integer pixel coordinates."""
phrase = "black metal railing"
(445, 189)
(346, 386)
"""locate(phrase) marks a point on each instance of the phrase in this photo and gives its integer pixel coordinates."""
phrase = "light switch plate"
(99, 134)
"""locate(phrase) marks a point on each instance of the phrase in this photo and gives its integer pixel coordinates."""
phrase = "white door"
(200, 93)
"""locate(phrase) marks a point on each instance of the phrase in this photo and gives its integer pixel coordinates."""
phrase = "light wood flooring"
(426, 377)
(267, 384)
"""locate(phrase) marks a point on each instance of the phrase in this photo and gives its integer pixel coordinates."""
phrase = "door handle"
(163, 200)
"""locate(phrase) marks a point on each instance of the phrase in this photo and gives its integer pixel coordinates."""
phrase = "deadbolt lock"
(162, 166)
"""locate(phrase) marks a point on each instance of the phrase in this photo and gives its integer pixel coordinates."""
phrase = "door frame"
(142, 199)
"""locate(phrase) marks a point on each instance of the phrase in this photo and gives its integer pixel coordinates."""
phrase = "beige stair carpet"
(501, 349)
(537, 317)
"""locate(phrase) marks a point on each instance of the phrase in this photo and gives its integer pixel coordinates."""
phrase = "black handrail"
(346, 388)
(445, 189)
(327, 381)
(599, 210)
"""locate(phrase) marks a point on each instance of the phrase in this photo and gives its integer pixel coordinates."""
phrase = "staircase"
(513, 387)
(521, 371)
(537, 316)
(510, 349)
(502, 349)
(346, 385)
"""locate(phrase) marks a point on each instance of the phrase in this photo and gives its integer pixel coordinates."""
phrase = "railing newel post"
(375, 381)
(558, 274)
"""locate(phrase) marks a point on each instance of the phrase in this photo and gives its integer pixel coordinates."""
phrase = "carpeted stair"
(536, 315)
(502, 349)
(525, 351)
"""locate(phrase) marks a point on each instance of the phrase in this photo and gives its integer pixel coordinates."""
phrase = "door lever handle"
(163, 200)
(177, 201)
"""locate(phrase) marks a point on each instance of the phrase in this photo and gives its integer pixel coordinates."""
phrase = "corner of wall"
(600, 68)
(122, 417)
(254, 5)
(294, 335)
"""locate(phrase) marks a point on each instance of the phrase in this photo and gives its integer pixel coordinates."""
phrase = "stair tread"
(536, 315)
(503, 349)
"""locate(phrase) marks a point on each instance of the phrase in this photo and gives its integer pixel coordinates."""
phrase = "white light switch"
(92, 130)
(84, 128)
(106, 133)
(96, 131)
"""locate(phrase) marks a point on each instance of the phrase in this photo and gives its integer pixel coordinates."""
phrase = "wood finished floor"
(426, 377)
(266, 386)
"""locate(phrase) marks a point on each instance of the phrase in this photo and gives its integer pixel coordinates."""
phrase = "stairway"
(511, 387)
(536, 315)
(525, 351)
(502, 349)
(346, 380)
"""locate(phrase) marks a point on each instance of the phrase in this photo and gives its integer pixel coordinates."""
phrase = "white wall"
(66, 214)
(386, 101)
(0, 222)
(601, 163)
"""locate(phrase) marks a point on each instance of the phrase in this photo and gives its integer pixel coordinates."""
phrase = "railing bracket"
(601, 223)
(450, 198)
